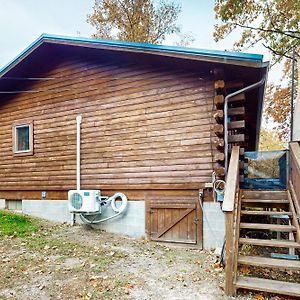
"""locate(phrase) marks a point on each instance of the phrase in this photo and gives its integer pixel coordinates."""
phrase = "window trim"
(14, 138)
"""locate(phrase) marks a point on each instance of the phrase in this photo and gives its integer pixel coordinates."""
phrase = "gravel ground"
(64, 262)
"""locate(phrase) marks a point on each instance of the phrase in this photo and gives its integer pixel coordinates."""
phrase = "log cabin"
(152, 128)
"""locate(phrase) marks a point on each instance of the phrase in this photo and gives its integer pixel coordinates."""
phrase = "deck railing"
(294, 186)
(231, 210)
(266, 170)
(294, 178)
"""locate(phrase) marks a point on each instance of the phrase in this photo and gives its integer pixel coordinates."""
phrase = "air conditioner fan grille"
(76, 201)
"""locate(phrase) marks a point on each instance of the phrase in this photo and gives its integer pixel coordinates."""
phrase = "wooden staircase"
(265, 221)
(262, 234)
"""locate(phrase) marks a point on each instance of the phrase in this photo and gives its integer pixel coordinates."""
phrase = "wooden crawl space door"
(175, 222)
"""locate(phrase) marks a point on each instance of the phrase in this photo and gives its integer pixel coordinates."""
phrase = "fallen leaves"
(259, 297)
(245, 270)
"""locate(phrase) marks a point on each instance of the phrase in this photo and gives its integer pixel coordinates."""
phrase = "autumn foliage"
(275, 24)
(135, 20)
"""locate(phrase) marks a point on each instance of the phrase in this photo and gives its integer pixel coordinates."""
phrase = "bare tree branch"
(286, 33)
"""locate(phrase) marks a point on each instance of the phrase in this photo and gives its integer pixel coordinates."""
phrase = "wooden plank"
(242, 151)
(238, 98)
(236, 125)
(196, 228)
(237, 138)
(160, 219)
(168, 218)
(232, 180)
(183, 228)
(153, 222)
(266, 213)
(234, 84)
(271, 227)
(270, 286)
(175, 230)
(270, 243)
(267, 262)
(254, 194)
(264, 201)
(177, 241)
(237, 236)
(171, 205)
(173, 222)
(295, 218)
(236, 111)
(231, 189)
(295, 199)
(229, 248)
(295, 151)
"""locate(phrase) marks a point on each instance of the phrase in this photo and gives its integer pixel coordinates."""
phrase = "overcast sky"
(23, 21)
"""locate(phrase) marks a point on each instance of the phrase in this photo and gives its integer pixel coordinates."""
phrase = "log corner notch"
(218, 119)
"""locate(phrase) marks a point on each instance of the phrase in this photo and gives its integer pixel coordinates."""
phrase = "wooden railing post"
(229, 205)
(229, 248)
(294, 186)
(294, 176)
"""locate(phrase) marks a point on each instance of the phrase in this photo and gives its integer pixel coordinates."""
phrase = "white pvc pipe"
(78, 122)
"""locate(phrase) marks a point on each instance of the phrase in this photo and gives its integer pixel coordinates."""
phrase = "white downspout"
(78, 122)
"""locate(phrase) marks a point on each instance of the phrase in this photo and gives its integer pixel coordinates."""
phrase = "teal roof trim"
(247, 57)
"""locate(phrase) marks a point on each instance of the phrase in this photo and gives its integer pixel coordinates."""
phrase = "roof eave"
(160, 50)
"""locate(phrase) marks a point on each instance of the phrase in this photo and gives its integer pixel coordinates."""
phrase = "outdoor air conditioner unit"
(84, 201)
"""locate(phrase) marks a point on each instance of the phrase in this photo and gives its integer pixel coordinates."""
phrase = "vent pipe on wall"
(78, 122)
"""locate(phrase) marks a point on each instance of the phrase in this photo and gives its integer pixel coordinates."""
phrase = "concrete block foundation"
(131, 222)
(2, 204)
(52, 210)
(213, 225)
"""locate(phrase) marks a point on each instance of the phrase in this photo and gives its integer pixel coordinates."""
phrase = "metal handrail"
(243, 90)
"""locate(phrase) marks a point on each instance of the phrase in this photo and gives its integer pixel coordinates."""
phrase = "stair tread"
(265, 213)
(236, 124)
(264, 194)
(270, 243)
(264, 201)
(236, 111)
(274, 227)
(269, 262)
(267, 285)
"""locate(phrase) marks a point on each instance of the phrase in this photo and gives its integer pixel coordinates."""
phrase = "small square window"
(23, 139)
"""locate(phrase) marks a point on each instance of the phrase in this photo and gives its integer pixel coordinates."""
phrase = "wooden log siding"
(142, 128)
